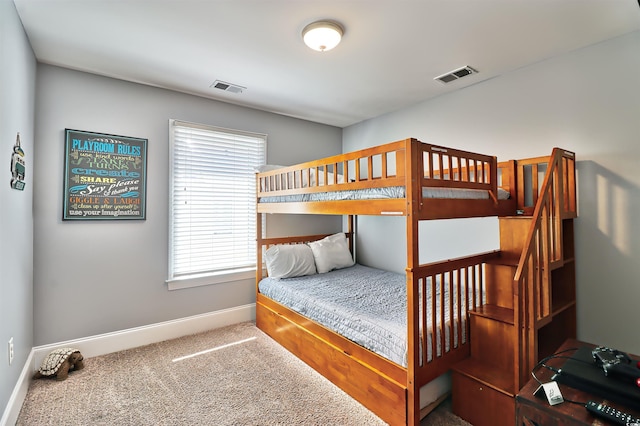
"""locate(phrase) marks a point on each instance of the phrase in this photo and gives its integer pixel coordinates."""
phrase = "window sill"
(210, 279)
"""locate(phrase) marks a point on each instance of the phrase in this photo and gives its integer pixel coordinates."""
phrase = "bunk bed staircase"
(530, 304)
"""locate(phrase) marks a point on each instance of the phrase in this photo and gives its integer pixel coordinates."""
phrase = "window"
(212, 218)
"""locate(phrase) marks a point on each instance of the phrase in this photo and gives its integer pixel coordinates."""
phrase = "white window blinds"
(213, 199)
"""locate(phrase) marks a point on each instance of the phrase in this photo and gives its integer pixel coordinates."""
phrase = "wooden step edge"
(488, 375)
(518, 216)
(494, 312)
(570, 215)
(556, 264)
(559, 308)
(505, 260)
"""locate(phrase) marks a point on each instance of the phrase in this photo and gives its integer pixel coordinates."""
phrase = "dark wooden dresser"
(536, 411)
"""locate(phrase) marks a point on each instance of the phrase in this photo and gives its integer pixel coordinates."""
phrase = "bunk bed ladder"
(529, 307)
(539, 296)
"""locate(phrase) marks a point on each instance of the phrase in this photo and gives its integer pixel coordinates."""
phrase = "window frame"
(196, 279)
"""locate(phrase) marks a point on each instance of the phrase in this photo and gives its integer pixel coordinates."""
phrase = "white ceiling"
(390, 53)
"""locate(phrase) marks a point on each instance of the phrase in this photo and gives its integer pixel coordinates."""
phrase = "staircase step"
(494, 312)
(495, 377)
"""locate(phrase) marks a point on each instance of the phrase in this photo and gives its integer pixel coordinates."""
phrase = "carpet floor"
(234, 375)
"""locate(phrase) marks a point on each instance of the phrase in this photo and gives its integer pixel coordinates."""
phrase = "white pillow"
(331, 253)
(321, 178)
(267, 168)
(289, 260)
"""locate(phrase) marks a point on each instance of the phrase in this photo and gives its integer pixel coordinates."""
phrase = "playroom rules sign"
(104, 176)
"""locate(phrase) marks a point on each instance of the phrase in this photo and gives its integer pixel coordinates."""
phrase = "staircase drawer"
(479, 404)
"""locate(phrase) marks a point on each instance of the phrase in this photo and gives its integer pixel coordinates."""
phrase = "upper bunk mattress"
(365, 305)
(384, 193)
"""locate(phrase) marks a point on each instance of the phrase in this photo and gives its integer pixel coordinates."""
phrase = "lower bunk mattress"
(365, 305)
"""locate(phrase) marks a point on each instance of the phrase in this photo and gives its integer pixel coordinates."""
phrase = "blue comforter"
(366, 305)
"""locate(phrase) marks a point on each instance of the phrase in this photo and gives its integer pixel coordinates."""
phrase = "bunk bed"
(406, 178)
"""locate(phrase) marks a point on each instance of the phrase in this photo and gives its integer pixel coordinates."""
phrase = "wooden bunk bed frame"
(389, 390)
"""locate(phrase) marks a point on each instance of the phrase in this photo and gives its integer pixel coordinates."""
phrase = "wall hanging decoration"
(104, 177)
(18, 166)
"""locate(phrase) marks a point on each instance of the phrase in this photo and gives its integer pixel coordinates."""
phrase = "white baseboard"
(10, 415)
(120, 340)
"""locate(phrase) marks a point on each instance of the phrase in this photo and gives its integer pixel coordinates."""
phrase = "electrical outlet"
(10, 351)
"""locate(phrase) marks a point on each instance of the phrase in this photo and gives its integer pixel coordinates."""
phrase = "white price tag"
(551, 391)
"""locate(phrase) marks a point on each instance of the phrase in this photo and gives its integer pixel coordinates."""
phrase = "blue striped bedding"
(384, 193)
(367, 306)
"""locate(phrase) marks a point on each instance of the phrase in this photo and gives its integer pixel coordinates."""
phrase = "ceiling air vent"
(228, 87)
(456, 74)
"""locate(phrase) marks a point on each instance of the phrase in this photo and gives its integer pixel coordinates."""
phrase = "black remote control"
(611, 414)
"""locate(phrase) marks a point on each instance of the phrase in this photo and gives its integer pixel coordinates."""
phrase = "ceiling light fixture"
(322, 35)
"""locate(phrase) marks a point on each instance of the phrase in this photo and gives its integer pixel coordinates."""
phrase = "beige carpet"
(236, 376)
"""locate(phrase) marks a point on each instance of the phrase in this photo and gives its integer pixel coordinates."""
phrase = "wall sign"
(104, 177)
(18, 166)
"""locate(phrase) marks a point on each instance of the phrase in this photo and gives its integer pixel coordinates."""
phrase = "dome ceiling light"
(322, 35)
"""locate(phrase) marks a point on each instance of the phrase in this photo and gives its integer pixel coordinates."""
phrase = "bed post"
(412, 164)
(258, 236)
(258, 248)
(351, 234)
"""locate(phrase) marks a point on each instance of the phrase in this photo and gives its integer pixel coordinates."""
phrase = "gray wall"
(587, 101)
(98, 277)
(17, 97)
